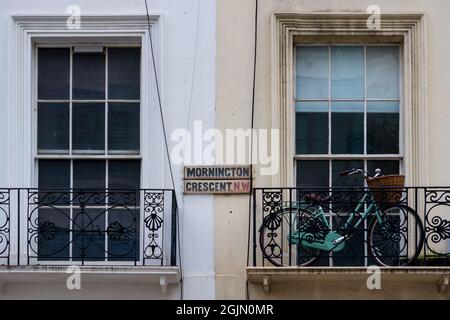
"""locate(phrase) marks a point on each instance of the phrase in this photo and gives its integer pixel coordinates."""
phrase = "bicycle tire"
(272, 251)
(382, 236)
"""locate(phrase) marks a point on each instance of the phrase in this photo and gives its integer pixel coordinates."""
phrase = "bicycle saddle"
(317, 198)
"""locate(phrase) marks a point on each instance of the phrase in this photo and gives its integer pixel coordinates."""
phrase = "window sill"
(158, 275)
(355, 277)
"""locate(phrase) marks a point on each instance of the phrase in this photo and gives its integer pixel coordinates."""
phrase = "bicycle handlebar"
(345, 173)
(355, 171)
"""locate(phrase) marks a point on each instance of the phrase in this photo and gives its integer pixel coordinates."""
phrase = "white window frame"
(119, 155)
(329, 156)
(364, 157)
(71, 156)
(29, 31)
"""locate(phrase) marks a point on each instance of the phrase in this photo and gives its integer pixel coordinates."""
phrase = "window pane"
(128, 221)
(348, 198)
(53, 73)
(53, 127)
(88, 76)
(124, 174)
(53, 239)
(311, 126)
(386, 166)
(89, 174)
(88, 235)
(383, 72)
(54, 182)
(124, 65)
(353, 253)
(356, 180)
(54, 174)
(347, 72)
(88, 127)
(383, 127)
(123, 126)
(312, 72)
(312, 174)
(347, 128)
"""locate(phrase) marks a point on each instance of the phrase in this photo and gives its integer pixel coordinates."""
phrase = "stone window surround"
(28, 31)
(407, 29)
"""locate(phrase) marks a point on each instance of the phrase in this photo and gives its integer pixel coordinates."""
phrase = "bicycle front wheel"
(280, 238)
(396, 237)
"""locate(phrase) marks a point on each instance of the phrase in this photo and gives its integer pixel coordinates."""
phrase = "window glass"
(119, 250)
(123, 127)
(53, 127)
(54, 174)
(55, 247)
(383, 127)
(386, 166)
(353, 252)
(88, 76)
(88, 133)
(312, 72)
(124, 174)
(53, 73)
(347, 72)
(88, 241)
(89, 174)
(338, 166)
(347, 199)
(353, 124)
(347, 128)
(311, 127)
(312, 174)
(89, 222)
(346, 122)
(383, 72)
(124, 77)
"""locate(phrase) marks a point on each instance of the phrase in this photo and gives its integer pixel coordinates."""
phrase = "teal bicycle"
(381, 222)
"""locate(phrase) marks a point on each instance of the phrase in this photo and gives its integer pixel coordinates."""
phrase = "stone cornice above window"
(57, 22)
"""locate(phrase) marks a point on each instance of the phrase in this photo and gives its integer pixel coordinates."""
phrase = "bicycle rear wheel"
(279, 238)
(398, 239)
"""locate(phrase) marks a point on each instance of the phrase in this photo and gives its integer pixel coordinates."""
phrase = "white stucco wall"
(178, 30)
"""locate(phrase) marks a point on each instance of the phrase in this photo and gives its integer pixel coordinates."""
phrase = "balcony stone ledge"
(159, 275)
(266, 276)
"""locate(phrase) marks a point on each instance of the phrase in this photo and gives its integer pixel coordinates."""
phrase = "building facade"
(348, 84)
(109, 108)
(81, 103)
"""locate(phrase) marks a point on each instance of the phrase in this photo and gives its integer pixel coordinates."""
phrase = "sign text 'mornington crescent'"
(217, 172)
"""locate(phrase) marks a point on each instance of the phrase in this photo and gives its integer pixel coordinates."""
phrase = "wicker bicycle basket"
(386, 189)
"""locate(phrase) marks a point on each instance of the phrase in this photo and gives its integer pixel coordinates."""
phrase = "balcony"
(103, 232)
(339, 232)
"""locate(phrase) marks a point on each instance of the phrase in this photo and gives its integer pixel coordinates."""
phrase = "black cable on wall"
(165, 140)
(252, 126)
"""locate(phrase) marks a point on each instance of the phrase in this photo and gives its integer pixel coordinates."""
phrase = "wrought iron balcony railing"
(88, 227)
(351, 226)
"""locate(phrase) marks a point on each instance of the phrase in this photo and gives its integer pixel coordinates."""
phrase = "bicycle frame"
(334, 241)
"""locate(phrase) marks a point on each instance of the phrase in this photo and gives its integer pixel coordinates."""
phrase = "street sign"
(217, 179)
